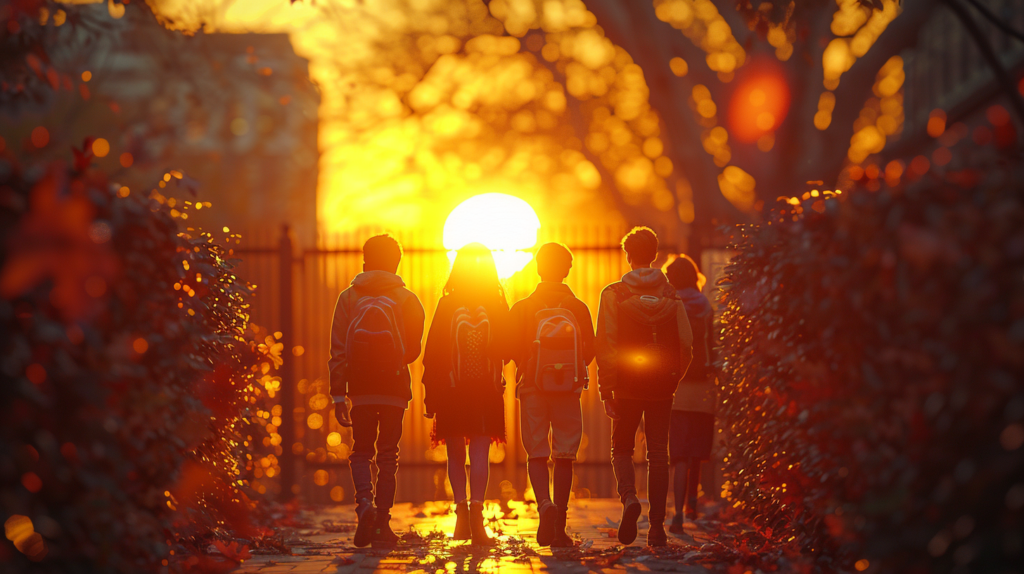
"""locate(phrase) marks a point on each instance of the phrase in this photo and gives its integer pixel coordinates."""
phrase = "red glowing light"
(760, 102)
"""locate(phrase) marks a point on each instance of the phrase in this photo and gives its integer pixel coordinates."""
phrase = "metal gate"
(296, 291)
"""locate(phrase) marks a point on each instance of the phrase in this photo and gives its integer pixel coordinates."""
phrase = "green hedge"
(873, 377)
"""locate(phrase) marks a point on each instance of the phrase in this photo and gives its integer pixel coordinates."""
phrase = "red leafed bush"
(129, 380)
(873, 388)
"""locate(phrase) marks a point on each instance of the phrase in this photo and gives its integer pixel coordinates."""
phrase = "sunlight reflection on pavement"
(324, 544)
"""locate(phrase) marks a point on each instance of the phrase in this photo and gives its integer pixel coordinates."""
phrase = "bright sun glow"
(505, 224)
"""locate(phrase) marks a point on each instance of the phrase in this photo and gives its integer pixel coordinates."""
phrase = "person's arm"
(685, 338)
(607, 335)
(502, 346)
(586, 322)
(434, 353)
(413, 329)
(337, 363)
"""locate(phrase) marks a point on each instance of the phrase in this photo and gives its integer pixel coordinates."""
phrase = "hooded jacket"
(696, 391)
(375, 284)
(548, 294)
(643, 281)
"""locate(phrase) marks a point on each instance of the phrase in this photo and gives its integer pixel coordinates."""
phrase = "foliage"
(621, 105)
(872, 394)
(41, 42)
(128, 371)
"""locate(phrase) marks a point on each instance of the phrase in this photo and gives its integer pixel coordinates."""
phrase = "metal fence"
(296, 291)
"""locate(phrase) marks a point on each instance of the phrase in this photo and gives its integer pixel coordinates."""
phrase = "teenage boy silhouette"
(377, 331)
(553, 343)
(643, 349)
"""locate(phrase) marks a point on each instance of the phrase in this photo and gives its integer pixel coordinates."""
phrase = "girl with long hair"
(462, 376)
(691, 430)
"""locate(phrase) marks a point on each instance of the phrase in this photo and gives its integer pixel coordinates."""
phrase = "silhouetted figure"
(462, 376)
(376, 333)
(643, 349)
(693, 423)
(552, 343)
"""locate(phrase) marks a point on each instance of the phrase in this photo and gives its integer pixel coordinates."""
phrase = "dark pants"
(656, 416)
(376, 430)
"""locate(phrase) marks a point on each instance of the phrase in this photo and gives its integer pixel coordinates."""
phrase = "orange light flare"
(760, 102)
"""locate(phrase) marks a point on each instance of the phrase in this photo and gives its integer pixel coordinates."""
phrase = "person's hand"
(611, 408)
(341, 412)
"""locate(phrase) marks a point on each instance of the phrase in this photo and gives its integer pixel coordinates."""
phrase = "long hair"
(682, 273)
(474, 275)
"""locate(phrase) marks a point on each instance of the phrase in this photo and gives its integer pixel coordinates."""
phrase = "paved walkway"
(323, 543)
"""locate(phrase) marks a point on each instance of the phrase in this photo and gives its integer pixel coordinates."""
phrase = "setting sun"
(505, 224)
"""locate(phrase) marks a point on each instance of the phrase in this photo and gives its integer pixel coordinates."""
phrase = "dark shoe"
(631, 509)
(691, 512)
(676, 527)
(462, 531)
(546, 528)
(366, 515)
(656, 535)
(383, 536)
(561, 540)
(476, 525)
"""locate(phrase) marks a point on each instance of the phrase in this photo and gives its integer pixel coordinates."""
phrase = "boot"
(676, 527)
(561, 539)
(366, 515)
(630, 514)
(383, 536)
(462, 531)
(656, 535)
(691, 509)
(476, 525)
(546, 527)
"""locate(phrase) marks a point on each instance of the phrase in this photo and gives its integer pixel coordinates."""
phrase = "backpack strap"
(563, 304)
(621, 291)
(669, 292)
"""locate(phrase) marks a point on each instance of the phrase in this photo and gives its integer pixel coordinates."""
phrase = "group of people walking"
(652, 347)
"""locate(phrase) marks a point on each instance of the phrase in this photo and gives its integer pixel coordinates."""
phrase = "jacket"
(522, 328)
(375, 283)
(643, 281)
(696, 391)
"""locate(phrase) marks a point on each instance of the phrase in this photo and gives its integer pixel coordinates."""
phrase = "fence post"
(287, 324)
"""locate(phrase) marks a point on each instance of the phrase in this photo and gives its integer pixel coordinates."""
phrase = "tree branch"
(991, 58)
(859, 81)
(993, 18)
(633, 25)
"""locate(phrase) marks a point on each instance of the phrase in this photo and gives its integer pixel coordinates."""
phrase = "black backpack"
(649, 362)
(556, 352)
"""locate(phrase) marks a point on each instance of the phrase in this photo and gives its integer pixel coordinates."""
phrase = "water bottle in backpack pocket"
(555, 355)
(374, 347)
(471, 336)
(649, 362)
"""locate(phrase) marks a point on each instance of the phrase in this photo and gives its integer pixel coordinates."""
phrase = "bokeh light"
(760, 102)
(100, 147)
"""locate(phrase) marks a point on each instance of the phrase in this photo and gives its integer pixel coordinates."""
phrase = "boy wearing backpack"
(377, 332)
(553, 343)
(644, 346)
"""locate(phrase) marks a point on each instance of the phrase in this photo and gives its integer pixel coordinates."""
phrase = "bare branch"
(999, 22)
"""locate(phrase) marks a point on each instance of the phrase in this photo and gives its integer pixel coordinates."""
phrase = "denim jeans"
(376, 430)
(656, 416)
